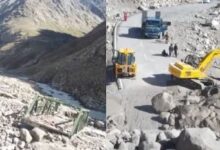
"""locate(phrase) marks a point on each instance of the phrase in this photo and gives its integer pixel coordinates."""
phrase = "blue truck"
(154, 27)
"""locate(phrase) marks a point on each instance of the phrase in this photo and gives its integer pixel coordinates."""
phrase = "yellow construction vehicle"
(125, 63)
(183, 70)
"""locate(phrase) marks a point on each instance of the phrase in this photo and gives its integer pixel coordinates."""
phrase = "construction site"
(163, 75)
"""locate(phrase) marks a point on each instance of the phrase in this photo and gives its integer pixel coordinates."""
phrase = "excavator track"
(192, 83)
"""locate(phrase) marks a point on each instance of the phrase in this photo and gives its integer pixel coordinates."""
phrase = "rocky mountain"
(53, 41)
(23, 18)
(77, 67)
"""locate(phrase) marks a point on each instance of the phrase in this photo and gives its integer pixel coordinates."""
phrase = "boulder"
(214, 24)
(120, 119)
(15, 140)
(193, 99)
(149, 146)
(37, 134)
(21, 144)
(113, 135)
(150, 136)
(163, 102)
(51, 146)
(172, 134)
(126, 136)
(165, 116)
(197, 139)
(213, 123)
(214, 13)
(123, 146)
(161, 137)
(109, 145)
(165, 127)
(196, 27)
(131, 146)
(135, 137)
(171, 120)
(192, 115)
(99, 124)
(25, 135)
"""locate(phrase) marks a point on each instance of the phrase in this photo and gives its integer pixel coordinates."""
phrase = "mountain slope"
(50, 41)
(77, 67)
(23, 18)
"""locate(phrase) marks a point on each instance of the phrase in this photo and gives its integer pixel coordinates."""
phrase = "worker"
(171, 49)
(166, 38)
(164, 53)
(175, 50)
(125, 16)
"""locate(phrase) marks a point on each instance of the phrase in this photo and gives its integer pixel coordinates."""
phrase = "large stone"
(118, 119)
(113, 136)
(171, 134)
(171, 120)
(165, 127)
(150, 136)
(37, 134)
(131, 146)
(100, 124)
(149, 146)
(161, 137)
(214, 101)
(21, 144)
(51, 146)
(193, 99)
(197, 139)
(165, 116)
(123, 146)
(192, 115)
(25, 135)
(135, 137)
(215, 24)
(109, 145)
(213, 123)
(15, 140)
(126, 136)
(163, 102)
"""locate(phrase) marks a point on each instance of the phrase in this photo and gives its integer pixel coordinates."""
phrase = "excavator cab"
(125, 63)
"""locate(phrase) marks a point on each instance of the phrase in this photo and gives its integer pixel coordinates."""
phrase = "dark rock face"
(197, 139)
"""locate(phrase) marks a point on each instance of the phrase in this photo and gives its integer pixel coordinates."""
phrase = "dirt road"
(134, 100)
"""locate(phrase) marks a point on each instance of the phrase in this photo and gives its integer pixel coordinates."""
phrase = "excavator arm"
(208, 59)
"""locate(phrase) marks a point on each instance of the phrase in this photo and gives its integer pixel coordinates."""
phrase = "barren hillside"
(77, 67)
(47, 40)
(23, 18)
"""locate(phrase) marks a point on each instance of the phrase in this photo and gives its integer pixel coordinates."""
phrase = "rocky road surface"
(133, 102)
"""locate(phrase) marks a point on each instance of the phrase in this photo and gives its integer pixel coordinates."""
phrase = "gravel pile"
(15, 96)
(169, 139)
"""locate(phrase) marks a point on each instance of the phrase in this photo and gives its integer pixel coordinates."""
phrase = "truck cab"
(154, 27)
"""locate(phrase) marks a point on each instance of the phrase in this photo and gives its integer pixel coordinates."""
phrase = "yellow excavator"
(195, 71)
(125, 63)
(186, 71)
